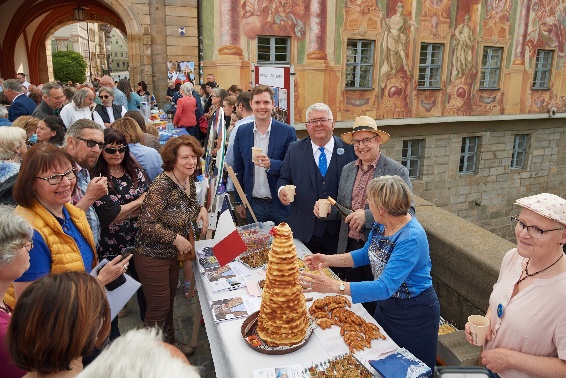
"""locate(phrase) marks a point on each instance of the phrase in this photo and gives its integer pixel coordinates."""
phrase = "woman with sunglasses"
(527, 332)
(107, 112)
(127, 187)
(51, 129)
(62, 237)
(15, 244)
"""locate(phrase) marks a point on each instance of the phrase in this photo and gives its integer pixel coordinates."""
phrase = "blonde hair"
(130, 128)
(390, 193)
(28, 123)
(152, 130)
(11, 138)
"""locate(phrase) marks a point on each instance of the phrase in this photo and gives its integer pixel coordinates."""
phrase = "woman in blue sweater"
(397, 250)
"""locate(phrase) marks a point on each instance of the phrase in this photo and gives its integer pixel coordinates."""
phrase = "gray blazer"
(385, 167)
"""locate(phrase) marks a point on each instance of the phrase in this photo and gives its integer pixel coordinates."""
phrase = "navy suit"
(21, 106)
(299, 168)
(280, 137)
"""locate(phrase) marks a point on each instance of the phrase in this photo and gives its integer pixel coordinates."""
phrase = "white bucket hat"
(548, 205)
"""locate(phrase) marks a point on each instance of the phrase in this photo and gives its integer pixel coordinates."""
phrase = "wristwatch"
(342, 287)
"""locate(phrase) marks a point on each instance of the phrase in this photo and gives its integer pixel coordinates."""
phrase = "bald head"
(106, 81)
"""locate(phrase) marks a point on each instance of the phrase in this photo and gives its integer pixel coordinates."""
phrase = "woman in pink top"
(186, 106)
(528, 304)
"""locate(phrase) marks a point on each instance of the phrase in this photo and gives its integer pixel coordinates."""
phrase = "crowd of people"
(87, 179)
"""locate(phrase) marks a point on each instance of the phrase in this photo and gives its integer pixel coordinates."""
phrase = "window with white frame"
(543, 62)
(490, 67)
(273, 50)
(430, 65)
(412, 155)
(469, 154)
(520, 147)
(359, 64)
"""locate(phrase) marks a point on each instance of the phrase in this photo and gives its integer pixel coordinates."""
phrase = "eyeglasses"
(104, 96)
(28, 246)
(364, 141)
(534, 231)
(91, 143)
(58, 178)
(112, 151)
(322, 121)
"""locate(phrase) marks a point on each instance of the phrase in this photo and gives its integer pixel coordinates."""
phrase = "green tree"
(69, 65)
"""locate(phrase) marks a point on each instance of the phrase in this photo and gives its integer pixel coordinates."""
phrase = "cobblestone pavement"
(183, 316)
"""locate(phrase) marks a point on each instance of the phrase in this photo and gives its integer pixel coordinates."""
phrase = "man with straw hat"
(366, 139)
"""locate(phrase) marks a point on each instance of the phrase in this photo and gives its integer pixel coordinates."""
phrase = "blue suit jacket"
(280, 137)
(299, 169)
(22, 105)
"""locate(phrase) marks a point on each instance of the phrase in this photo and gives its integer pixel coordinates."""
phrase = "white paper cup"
(323, 207)
(256, 151)
(478, 327)
(290, 190)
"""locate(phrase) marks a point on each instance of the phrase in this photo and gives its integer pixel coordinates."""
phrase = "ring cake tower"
(283, 314)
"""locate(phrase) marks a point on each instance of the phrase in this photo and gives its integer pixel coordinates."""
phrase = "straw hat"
(365, 123)
(548, 205)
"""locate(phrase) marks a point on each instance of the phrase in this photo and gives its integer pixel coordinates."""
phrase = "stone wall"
(465, 261)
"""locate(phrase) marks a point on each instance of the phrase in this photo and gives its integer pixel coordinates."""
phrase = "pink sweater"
(185, 115)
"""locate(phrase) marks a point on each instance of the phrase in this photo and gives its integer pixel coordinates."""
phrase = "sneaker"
(186, 349)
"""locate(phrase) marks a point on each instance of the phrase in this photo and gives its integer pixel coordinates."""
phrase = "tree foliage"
(69, 65)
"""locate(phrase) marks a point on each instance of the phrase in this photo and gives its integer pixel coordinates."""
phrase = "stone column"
(230, 28)
(317, 30)
(521, 35)
(157, 20)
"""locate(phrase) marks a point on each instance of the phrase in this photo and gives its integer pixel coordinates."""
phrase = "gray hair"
(78, 126)
(79, 97)
(3, 112)
(187, 88)
(319, 107)
(15, 231)
(12, 85)
(108, 90)
(139, 353)
(11, 138)
(47, 87)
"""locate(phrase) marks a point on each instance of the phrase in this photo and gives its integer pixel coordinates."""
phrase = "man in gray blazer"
(302, 168)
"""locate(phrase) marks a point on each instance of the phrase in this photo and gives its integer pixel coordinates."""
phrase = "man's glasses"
(322, 121)
(58, 178)
(28, 246)
(534, 231)
(104, 96)
(112, 151)
(91, 143)
(365, 141)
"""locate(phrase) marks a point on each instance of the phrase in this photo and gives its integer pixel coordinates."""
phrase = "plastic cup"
(323, 207)
(256, 151)
(479, 326)
(290, 190)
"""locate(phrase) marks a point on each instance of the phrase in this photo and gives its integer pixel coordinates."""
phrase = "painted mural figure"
(462, 62)
(395, 41)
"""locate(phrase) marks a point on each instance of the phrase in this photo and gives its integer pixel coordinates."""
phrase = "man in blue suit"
(259, 177)
(21, 104)
(314, 165)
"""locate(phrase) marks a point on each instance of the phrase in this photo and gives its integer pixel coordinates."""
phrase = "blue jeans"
(267, 211)
(192, 130)
(412, 323)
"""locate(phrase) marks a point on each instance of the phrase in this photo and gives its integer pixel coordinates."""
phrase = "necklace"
(119, 169)
(527, 274)
(398, 226)
(179, 182)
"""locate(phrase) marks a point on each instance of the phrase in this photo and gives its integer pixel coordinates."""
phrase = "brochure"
(234, 308)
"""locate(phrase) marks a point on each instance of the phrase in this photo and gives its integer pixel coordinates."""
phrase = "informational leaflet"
(291, 371)
(234, 308)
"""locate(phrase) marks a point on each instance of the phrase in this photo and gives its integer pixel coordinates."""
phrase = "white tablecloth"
(231, 354)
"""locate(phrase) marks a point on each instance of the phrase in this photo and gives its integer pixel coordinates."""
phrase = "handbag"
(203, 124)
(191, 255)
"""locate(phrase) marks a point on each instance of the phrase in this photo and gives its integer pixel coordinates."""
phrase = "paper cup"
(256, 151)
(478, 327)
(323, 207)
(290, 190)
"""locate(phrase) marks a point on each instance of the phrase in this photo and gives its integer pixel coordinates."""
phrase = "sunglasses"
(91, 143)
(104, 96)
(112, 151)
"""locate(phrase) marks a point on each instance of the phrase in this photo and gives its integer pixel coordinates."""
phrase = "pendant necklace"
(179, 182)
(527, 274)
